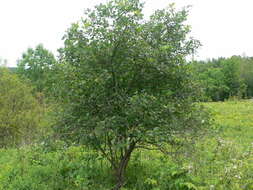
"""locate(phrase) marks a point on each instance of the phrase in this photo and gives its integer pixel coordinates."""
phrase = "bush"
(82, 169)
(20, 112)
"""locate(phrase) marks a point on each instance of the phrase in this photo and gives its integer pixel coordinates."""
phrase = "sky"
(224, 27)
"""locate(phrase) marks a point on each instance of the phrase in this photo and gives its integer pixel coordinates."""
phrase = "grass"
(225, 160)
(235, 119)
(222, 160)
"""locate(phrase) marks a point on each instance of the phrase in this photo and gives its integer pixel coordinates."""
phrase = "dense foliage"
(81, 169)
(221, 161)
(126, 84)
(224, 78)
(20, 112)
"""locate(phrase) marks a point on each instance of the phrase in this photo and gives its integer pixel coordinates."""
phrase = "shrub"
(20, 112)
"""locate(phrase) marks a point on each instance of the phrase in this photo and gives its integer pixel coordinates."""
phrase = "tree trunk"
(120, 171)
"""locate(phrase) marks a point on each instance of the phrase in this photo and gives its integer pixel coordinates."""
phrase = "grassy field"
(225, 159)
(222, 160)
(235, 119)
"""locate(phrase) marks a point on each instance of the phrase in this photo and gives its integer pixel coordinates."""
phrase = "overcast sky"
(224, 27)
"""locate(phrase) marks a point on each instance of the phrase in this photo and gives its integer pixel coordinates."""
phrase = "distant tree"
(213, 81)
(125, 83)
(36, 65)
(223, 78)
(246, 73)
(20, 113)
(232, 70)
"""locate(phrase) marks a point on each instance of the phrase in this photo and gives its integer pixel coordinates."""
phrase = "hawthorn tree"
(125, 83)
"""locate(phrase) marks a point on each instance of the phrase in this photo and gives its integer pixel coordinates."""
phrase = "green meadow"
(220, 160)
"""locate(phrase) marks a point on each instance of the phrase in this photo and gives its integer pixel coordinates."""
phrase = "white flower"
(237, 176)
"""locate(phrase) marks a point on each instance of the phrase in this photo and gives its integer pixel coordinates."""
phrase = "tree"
(125, 83)
(37, 65)
(213, 82)
(231, 69)
(246, 74)
(20, 113)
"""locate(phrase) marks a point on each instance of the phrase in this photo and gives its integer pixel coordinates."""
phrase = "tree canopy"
(125, 83)
(36, 65)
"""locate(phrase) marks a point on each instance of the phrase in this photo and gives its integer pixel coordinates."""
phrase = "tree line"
(224, 78)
